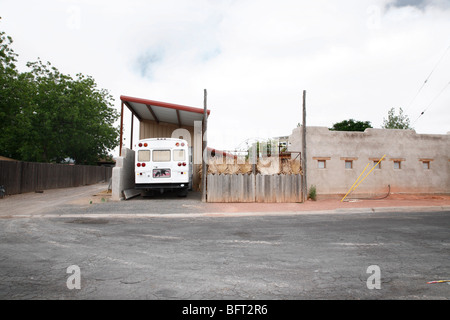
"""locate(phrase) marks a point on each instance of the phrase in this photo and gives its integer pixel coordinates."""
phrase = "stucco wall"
(406, 146)
(123, 174)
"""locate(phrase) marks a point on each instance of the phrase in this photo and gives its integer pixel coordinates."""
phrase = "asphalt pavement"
(170, 248)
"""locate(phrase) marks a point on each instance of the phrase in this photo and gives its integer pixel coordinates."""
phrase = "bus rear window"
(161, 155)
(178, 155)
(144, 155)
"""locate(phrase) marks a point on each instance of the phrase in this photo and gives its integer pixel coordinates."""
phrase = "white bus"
(163, 163)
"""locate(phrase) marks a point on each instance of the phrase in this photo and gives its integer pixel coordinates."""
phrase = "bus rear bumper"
(178, 185)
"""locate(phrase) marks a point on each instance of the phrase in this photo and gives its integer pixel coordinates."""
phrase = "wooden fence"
(254, 188)
(22, 177)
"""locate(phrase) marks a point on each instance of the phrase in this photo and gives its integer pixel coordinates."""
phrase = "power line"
(435, 98)
(428, 78)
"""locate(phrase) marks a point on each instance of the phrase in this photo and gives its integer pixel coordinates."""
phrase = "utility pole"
(304, 182)
(121, 130)
(205, 144)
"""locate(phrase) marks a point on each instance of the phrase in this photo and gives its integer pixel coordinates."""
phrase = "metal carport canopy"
(158, 111)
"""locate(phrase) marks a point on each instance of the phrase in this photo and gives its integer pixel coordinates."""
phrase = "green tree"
(351, 125)
(10, 92)
(67, 118)
(48, 116)
(393, 121)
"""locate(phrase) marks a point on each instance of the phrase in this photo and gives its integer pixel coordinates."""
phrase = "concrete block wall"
(123, 174)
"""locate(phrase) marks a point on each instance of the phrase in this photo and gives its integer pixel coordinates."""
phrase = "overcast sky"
(355, 58)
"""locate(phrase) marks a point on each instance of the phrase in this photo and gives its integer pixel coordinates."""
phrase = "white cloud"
(356, 59)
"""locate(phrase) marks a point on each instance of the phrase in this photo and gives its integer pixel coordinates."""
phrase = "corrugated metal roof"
(158, 111)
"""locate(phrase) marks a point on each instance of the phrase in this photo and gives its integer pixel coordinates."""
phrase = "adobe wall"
(406, 146)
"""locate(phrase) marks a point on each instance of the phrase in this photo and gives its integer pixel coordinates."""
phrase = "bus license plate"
(161, 173)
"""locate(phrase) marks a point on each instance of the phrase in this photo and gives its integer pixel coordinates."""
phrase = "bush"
(312, 194)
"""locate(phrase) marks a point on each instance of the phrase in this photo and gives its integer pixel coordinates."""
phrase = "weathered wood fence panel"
(22, 177)
(278, 188)
(254, 188)
(231, 188)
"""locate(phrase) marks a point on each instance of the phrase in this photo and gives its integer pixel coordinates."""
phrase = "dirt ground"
(392, 201)
(40, 202)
